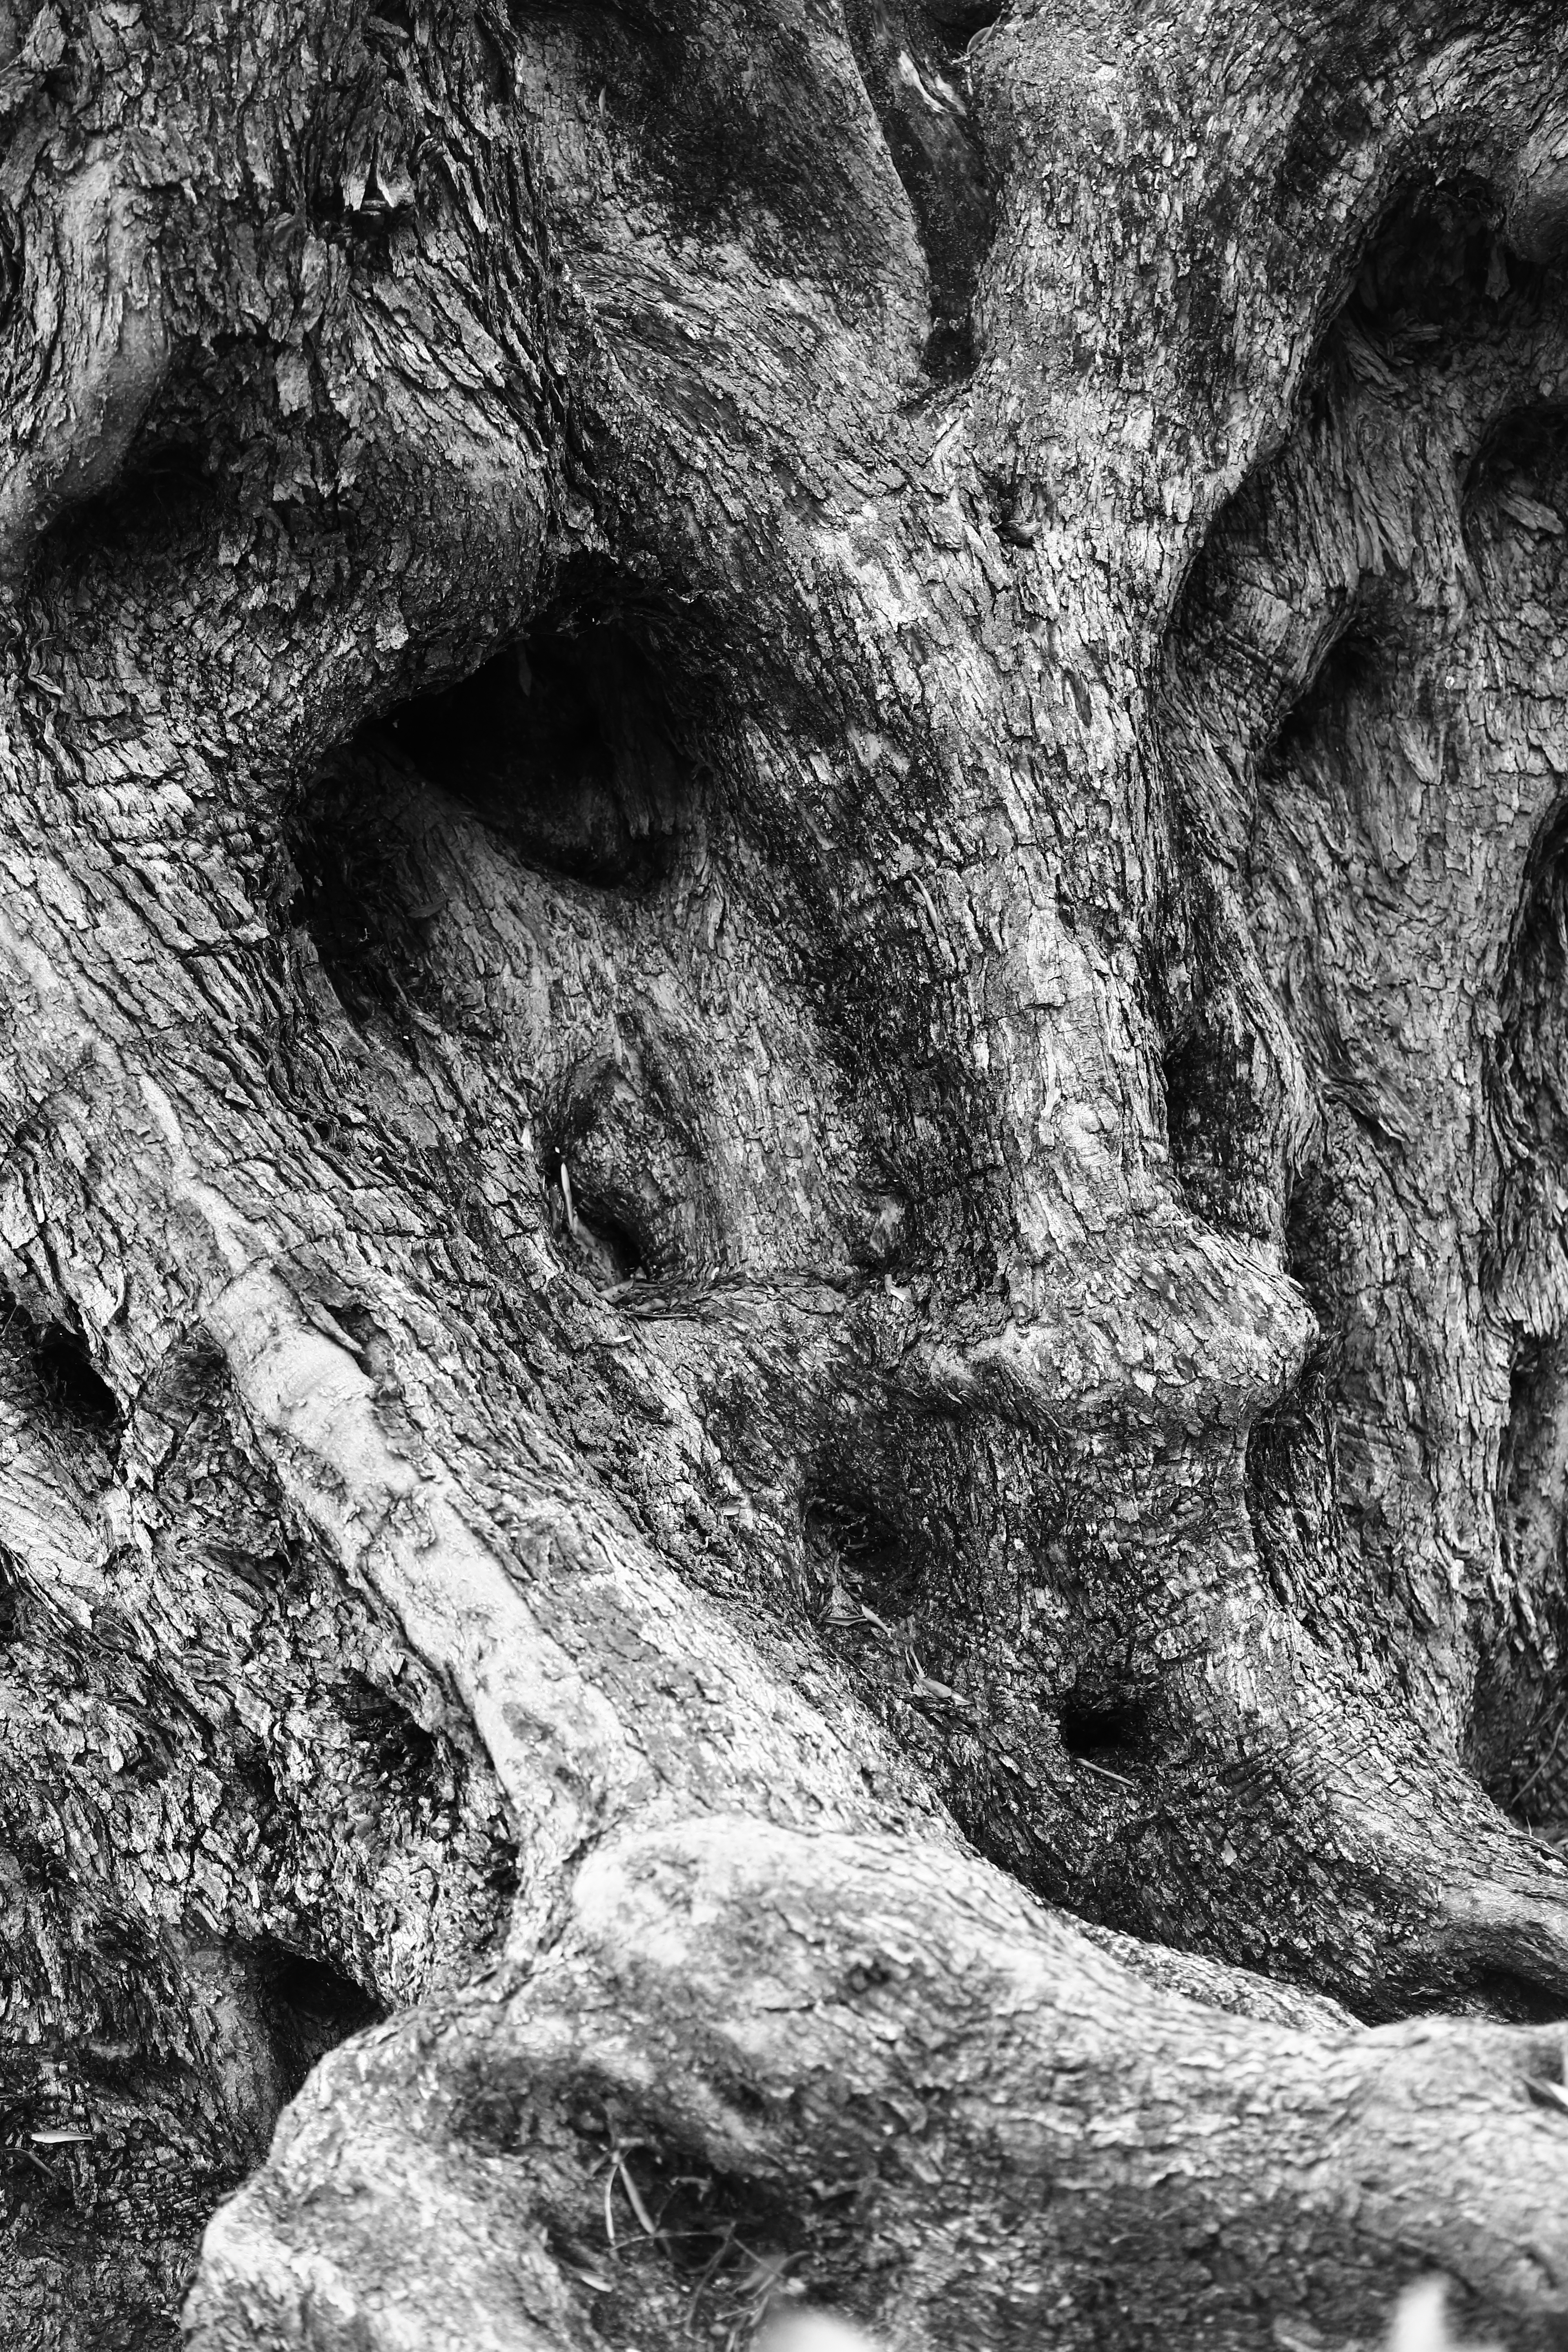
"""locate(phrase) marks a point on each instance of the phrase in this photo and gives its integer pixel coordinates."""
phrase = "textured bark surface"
(784, 1370)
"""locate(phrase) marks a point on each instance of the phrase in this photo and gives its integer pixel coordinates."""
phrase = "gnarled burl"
(783, 1063)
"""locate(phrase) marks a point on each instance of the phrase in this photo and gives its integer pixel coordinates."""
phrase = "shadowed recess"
(596, 1223)
(563, 745)
(648, 2221)
(1518, 1725)
(1519, 1728)
(307, 2006)
(404, 1756)
(1216, 1132)
(1438, 265)
(855, 1552)
(1518, 478)
(911, 59)
(1110, 1728)
(58, 1363)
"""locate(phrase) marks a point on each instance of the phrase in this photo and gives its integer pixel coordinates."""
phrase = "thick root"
(762, 2066)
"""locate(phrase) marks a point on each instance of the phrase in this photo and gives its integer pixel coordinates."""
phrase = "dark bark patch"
(251, 1770)
(596, 1222)
(365, 179)
(1292, 1474)
(577, 748)
(639, 2215)
(1518, 1729)
(74, 1390)
(959, 22)
(1332, 118)
(625, 1151)
(353, 897)
(12, 259)
(1316, 726)
(501, 1881)
(745, 123)
(711, 2226)
(730, 2247)
(1508, 1995)
(1319, 1234)
(1290, 1490)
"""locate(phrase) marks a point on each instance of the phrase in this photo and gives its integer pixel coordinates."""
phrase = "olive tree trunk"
(784, 1064)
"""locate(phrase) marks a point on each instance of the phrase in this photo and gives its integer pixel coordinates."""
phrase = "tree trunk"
(786, 1084)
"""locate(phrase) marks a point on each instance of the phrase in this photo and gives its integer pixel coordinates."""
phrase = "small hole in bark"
(502, 1878)
(1518, 479)
(957, 22)
(949, 353)
(308, 2007)
(1351, 672)
(624, 1144)
(1103, 1729)
(253, 1774)
(709, 2221)
(563, 745)
(74, 1390)
(647, 2202)
(1319, 1236)
(607, 1250)
(734, 2242)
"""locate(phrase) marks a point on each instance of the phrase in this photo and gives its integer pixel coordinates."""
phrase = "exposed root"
(979, 2124)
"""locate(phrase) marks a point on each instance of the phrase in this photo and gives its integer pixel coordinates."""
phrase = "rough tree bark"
(785, 1355)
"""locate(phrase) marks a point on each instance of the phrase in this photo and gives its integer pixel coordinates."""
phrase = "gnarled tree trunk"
(785, 1363)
